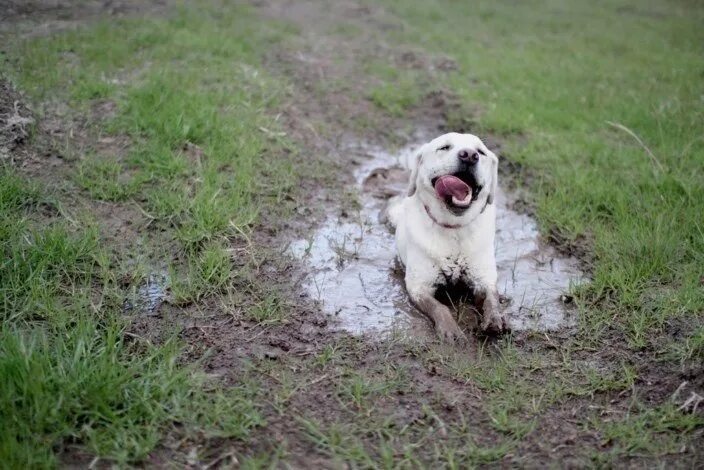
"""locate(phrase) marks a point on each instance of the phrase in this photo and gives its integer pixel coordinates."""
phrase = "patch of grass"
(209, 272)
(88, 385)
(359, 389)
(506, 422)
(44, 271)
(375, 441)
(394, 98)
(471, 454)
(327, 356)
(268, 460)
(337, 442)
(268, 311)
(689, 349)
(193, 106)
(106, 180)
(652, 431)
(70, 373)
(397, 92)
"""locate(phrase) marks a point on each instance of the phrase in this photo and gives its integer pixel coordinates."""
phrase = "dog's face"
(456, 173)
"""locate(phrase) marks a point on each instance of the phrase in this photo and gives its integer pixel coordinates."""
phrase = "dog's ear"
(494, 178)
(413, 164)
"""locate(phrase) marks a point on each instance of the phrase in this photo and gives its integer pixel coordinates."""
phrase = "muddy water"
(148, 297)
(354, 275)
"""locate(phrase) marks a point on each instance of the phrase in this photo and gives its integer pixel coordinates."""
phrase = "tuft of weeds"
(327, 356)
(691, 349)
(651, 431)
(106, 180)
(269, 310)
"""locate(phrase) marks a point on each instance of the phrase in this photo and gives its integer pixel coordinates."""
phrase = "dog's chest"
(455, 269)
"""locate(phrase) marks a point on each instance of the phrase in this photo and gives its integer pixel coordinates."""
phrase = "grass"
(269, 310)
(649, 431)
(86, 384)
(71, 376)
(397, 92)
(191, 99)
(193, 108)
(106, 180)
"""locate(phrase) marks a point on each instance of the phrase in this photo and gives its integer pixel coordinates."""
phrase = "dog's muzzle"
(458, 190)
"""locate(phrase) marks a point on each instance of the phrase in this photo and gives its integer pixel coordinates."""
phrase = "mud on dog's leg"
(494, 320)
(422, 295)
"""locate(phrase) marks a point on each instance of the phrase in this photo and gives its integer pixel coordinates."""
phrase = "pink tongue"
(448, 186)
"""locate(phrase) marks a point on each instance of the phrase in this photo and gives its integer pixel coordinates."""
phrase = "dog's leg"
(422, 296)
(494, 321)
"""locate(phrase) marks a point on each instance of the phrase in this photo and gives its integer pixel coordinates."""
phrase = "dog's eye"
(481, 152)
(444, 148)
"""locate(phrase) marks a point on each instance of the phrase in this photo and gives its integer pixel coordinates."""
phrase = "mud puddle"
(354, 276)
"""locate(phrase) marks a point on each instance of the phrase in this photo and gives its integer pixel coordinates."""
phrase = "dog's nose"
(468, 156)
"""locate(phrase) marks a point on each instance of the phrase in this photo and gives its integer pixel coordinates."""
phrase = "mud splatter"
(353, 271)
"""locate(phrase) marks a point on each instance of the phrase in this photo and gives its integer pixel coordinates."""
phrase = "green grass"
(106, 180)
(648, 431)
(397, 91)
(191, 98)
(86, 384)
(70, 374)
(268, 310)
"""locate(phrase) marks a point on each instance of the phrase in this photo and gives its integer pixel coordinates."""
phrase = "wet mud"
(353, 274)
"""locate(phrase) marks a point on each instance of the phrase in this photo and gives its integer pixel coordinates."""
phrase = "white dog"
(445, 228)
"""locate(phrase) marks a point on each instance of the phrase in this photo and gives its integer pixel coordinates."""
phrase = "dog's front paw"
(451, 333)
(495, 323)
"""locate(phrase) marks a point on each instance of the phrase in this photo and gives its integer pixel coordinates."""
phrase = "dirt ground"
(419, 397)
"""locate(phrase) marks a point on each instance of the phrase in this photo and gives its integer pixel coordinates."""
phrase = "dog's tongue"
(451, 186)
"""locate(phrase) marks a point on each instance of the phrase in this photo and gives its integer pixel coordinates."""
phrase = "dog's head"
(455, 174)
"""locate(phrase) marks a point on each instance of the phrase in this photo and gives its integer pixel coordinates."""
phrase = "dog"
(445, 227)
